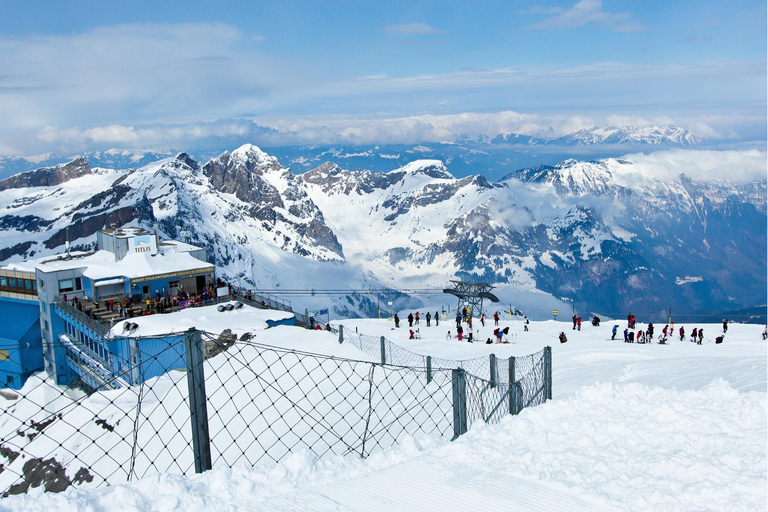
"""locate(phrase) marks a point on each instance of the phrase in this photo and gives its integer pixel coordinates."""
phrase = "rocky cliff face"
(47, 177)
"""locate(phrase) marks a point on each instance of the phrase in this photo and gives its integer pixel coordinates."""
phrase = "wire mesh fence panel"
(479, 367)
(367, 344)
(486, 403)
(533, 383)
(52, 436)
(399, 356)
(265, 403)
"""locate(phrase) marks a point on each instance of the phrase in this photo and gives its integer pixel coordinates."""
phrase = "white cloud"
(584, 13)
(701, 165)
(133, 73)
(411, 29)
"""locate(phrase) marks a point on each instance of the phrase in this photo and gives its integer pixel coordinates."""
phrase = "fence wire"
(263, 403)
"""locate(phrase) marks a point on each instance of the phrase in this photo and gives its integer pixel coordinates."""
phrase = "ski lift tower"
(471, 295)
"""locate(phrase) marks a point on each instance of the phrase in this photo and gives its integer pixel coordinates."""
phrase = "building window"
(12, 282)
(45, 325)
(28, 284)
(4, 282)
(69, 285)
(41, 285)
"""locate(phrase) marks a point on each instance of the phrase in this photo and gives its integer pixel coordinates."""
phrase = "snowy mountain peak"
(431, 168)
(185, 159)
(630, 134)
(253, 157)
(567, 163)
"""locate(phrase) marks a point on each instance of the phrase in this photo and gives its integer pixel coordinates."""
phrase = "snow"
(688, 279)
(208, 318)
(631, 427)
(142, 264)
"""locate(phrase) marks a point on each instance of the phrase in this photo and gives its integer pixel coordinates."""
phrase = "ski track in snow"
(631, 427)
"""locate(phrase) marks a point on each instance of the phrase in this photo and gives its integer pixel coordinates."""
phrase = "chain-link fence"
(239, 402)
(486, 368)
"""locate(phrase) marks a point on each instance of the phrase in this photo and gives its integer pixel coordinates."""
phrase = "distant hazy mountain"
(493, 157)
(645, 135)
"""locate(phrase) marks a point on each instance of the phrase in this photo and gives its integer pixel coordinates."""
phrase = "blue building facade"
(40, 327)
(21, 344)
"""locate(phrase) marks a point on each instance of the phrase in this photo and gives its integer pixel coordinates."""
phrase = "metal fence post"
(512, 388)
(383, 351)
(201, 441)
(134, 355)
(429, 369)
(341, 334)
(548, 357)
(492, 360)
(459, 381)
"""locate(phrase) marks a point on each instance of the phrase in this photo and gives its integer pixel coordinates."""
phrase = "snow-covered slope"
(630, 427)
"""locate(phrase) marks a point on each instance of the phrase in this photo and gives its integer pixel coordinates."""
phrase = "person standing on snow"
(701, 335)
(437, 319)
(496, 319)
(429, 317)
(682, 333)
(410, 319)
(574, 321)
(725, 326)
(397, 320)
(613, 332)
(417, 318)
(458, 318)
(578, 322)
(525, 324)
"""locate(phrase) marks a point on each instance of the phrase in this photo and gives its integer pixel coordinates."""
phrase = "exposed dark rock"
(106, 426)
(46, 177)
(18, 249)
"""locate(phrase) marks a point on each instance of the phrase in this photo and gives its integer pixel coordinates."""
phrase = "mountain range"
(492, 156)
(600, 236)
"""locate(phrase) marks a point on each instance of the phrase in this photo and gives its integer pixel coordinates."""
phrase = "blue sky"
(91, 75)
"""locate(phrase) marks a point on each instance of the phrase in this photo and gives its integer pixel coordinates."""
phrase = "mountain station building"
(57, 311)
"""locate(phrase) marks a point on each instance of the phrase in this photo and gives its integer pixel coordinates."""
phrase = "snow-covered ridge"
(629, 134)
(578, 229)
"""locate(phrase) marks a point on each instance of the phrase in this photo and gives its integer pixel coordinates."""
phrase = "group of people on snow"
(668, 332)
(413, 319)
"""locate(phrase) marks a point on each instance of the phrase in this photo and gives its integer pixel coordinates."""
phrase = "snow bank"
(618, 447)
(632, 427)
